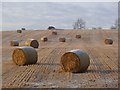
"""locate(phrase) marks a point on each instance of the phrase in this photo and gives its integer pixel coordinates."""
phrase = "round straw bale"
(108, 41)
(23, 28)
(44, 39)
(32, 42)
(19, 31)
(14, 43)
(24, 55)
(62, 39)
(51, 27)
(75, 61)
(54, 33)
(78, 36)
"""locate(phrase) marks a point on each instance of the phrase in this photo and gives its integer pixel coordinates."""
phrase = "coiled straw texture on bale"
(24, 56)
(75, 61)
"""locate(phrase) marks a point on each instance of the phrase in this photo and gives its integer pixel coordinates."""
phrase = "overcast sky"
(39, 15)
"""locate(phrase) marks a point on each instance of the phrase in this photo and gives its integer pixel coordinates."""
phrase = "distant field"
(102, 72)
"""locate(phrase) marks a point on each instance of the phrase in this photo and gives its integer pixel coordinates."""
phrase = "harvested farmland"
(46, 73)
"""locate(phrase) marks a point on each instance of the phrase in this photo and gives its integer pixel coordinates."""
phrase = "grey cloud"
(62, 15)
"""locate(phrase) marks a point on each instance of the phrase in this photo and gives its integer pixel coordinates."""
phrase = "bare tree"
(113, 27)
(117, 23)
(79, 24)
(99, 27)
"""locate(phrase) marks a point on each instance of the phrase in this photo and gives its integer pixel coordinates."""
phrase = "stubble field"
(47, 73)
